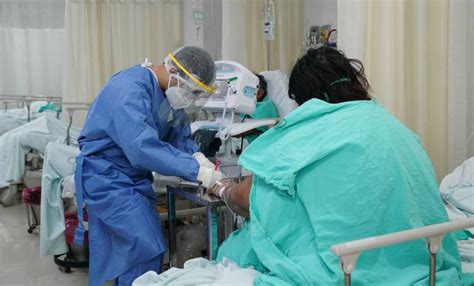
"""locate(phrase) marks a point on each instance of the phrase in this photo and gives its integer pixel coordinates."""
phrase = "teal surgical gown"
(331, 173)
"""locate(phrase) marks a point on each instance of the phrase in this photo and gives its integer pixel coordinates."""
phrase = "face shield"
(185, 96)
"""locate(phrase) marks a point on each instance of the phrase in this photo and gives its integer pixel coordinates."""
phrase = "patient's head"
(325, 73)
(262, 88)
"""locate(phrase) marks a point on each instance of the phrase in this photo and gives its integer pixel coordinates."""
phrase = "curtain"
(460, 84)
(106, 36)
(242, 34)
(31, 47)
(404, 47)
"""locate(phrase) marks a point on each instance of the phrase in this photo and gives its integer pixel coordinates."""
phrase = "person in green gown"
(338, 168)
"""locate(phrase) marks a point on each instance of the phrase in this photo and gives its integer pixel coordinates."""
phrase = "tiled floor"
(20, 262)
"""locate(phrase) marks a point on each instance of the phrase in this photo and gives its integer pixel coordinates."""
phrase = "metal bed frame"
(28, 99)
(348, 252)
(71, 108)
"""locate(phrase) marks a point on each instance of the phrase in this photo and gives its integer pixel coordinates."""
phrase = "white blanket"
(457, 188)
(59, 163)
(9, 122)
(34, 135)
(200, 271)
(457, 191)
(13, 118)
(466, 251)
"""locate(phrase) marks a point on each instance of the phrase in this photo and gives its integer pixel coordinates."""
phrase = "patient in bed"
(265, 109)
(336, 169)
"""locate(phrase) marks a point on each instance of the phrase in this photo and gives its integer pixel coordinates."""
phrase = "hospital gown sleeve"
(139, 139)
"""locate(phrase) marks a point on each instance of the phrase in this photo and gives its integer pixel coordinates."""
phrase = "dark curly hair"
(262, 84)
(325, 73)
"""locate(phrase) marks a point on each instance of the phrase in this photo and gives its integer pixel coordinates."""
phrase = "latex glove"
(208, 176)
(203, 161)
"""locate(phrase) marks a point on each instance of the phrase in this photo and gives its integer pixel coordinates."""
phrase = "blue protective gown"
(127, 134)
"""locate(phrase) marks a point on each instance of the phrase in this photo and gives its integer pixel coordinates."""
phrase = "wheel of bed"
(76, 256)
(66, 262)
(31, 198)
(8, 195)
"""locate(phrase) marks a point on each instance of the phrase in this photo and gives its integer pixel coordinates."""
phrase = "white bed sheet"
(200, 271)
(13, 118)
(59, 163)
(457, 191)
(16, 143)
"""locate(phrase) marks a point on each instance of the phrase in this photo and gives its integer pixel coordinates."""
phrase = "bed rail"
(28, 99)
(71, 108)
(348, 252)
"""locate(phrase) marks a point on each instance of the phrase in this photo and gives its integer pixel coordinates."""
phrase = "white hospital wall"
(320, 12)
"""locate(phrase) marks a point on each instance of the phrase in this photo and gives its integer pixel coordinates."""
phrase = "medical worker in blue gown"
(139, 123)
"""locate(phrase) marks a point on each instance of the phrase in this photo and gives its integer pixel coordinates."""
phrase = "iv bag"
(269, 22)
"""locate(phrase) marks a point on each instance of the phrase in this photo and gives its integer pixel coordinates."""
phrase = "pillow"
(277, 91)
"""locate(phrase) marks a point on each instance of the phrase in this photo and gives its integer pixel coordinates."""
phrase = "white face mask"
(177, 96)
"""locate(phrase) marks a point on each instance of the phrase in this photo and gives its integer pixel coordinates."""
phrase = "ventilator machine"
(236, 93)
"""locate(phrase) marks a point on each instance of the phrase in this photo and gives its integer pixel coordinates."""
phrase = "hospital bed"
(71, 108)
(18, 110)
(277, 90)
(208, 271)
(348, 252)
(457, 193)
(22, 149)
(27, 100)
(60, 150)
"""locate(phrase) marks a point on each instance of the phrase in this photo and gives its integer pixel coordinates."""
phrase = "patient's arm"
(236, 196)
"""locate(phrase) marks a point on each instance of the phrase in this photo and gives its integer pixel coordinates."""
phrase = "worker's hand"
(203, 161)
(209, 176)
(220, 187)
